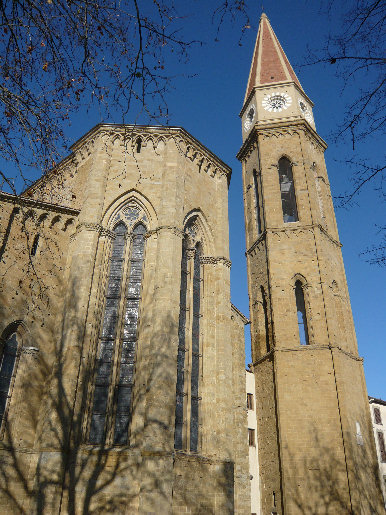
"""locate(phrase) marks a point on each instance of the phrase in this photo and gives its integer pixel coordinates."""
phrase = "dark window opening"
(287, 191)
(8, 360)
(301, 313)
(382, 448)
(266, 321)
(251, 438)
(139, 145)
(257, 200)
(195, 350)
(35, 245)
(179, 418)
(249, 401)
(377, 416)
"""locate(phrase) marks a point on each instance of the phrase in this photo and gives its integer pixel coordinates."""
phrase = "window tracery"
(189, 343)
(115, 363)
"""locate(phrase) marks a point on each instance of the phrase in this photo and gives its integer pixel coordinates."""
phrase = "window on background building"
(114, 375)
(186, 435)
(382, 448)
(251, 437)
(287, 191)
(301, 313)
(377, 416)
(249, 400)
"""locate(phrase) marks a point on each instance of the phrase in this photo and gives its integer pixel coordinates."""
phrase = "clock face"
(249, 118)
(276, 102)
(305, 110)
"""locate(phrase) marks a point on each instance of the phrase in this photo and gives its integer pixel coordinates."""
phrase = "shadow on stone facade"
(46, 467)
(319, 484)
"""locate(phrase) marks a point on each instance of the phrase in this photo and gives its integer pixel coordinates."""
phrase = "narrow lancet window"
(287, 190)
(186, 434)
(8, 360)
(195, 350)
(178, 435)
(301, 313)
(127, 362)
(266, 321)
(104, 366)
(256, 185)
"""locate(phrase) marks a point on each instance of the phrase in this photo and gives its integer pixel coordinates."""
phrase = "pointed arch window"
(257, 202)
(186, 434)
(287, 191)
(266, 320)
(301, 313)
(114, 371)
(10, 347)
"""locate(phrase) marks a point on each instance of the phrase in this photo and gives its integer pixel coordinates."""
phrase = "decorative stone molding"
(214, 260)
(30, 351)
(174, 229)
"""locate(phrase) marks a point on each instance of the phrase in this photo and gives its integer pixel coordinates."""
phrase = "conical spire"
(269, 64)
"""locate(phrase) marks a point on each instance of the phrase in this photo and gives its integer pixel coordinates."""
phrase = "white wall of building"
(253, 450)
(379, 427)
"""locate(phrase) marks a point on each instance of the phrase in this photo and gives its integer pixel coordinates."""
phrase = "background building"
(378, 416)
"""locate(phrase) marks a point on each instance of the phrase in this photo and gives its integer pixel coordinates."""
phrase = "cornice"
(245, 320)
(215, 260)
(299, 228)
(306, 348)
(276, 129)
(191, 147)
(21, 200)
(272, 86)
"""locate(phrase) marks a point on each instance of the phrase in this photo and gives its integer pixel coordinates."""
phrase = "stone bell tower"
(316, 449)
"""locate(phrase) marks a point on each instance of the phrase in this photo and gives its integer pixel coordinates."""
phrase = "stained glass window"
(195, 350)
(178, 435)
(116, 352)
(127, 362)
(287, 190)
(187, 429)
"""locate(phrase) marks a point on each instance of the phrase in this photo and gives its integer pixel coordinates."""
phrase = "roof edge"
(241, 315)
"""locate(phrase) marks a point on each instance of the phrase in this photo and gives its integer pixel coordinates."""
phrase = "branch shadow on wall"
(46, 467)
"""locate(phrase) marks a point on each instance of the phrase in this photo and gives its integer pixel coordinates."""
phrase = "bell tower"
(316, 448)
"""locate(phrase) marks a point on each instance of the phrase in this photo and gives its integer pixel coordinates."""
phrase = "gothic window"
(189, 352)
(257, 200)
(8, 361)
(287, 190)
(301, 313)
(114, 371)
(266, 321)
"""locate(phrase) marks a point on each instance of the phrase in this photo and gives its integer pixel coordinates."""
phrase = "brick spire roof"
(269, 63)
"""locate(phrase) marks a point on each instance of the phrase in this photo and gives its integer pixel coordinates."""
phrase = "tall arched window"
(266, 320)
(287, 191)
(189, 346)
(8, 360)
(301, 313)
(114, 374)
(257, 201)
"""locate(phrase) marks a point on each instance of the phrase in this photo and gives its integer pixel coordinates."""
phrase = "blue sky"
(207, 98)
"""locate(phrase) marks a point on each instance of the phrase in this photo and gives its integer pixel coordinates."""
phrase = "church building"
(122, 372)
